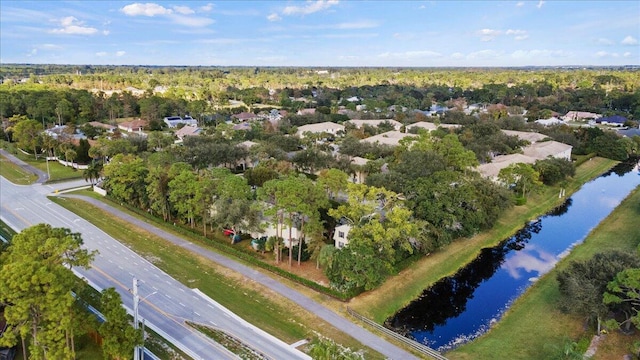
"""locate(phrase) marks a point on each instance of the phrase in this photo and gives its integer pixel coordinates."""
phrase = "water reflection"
(447, 298)
(461, 307)
(531, 259)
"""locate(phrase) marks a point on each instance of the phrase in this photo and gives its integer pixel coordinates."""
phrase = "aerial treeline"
(45, 304)
(80, 98)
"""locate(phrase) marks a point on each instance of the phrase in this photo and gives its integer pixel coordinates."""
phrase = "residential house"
(359, 175)
(492, 169)
(580, 115)
(615, 120)
(244, 126)
(108, 128)
(550, 121)
(391, 138)
(542, 150)
(531, 154)
(271, 229)
(375, 123)
(319, 128)
(310, 111)
(247, 162)
(133, 126)
(62, 132)
(429, 126)
(531, 137)
(341, 236)
(245, 116)
(188, 130)
(174, 121)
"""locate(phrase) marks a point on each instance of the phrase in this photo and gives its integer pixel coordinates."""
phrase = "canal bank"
(458, 309)
(400, 290)
(534, 328)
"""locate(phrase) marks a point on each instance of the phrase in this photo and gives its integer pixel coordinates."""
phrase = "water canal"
(459, 308)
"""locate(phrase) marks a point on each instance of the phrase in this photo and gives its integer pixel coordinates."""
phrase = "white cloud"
(602, 54)
(356, 25)
(485, 54)
(72, 26)
(192, 21)
(629, 40)
(520, 4)
(544, 53)
(274, 17)
(51, 47)
(101, 53)
(207, 8)
(184, 10)
(147, 9)
(120, 53)
(310, 7)
(420, 54)
(105, 32)
(540, 3)
(178, 15)
(519, 35)
(516, 32)
(604, 41)
(457, 55)
(488, 34)
(627, 54)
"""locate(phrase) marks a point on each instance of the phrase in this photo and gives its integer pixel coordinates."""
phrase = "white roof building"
(550, 121)
(531, 137)
(375, 123)
(174, 121)
(188, 130)
(542, 150)
(391, 138)
(323, 127)
(492, 169)
(580, 115)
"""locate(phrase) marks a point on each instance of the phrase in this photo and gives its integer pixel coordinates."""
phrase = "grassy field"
(250, 300)
(401, 289)
(57, 171)
(533, 328)
(15, 173)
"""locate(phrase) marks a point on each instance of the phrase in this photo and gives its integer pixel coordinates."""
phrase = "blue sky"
(321, 33)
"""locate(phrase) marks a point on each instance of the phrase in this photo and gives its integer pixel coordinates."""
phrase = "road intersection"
(171, 303)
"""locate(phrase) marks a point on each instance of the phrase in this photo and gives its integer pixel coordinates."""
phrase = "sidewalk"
(42, 176)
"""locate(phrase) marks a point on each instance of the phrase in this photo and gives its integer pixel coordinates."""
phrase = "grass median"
(250, 300)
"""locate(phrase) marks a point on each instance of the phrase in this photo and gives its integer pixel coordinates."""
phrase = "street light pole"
(136, 299)
(136, 304)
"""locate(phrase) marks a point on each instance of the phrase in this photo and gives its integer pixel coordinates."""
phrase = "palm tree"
(70, 155)
(93, 172)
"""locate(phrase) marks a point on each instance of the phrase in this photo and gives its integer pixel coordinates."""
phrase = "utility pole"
(136, 300)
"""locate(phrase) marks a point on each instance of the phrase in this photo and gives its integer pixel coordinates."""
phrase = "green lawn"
(14, 173)
(533, 328)
(251, 301)
(57, 171)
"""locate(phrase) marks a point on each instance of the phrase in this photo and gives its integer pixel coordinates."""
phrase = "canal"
(462, 307)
